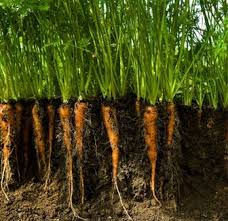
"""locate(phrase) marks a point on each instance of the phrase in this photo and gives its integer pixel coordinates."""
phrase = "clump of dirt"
(191, 180)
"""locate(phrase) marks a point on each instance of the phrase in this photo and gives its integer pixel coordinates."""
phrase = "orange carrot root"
(7, 125)
(171, 122)
(111, 125)
(79, 111)
(51, 134)
(150, 126)
(19, 112)
(39, 138)
(110, 122)
(64, 112)
(1, 120)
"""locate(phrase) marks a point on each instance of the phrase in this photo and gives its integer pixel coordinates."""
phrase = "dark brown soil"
(191, 175)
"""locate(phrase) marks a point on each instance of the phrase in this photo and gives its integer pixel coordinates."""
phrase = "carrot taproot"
(80, 111)
(111, 125)
(8, 116)
(1, 118)
(19, 111)
(39, 138)
(51, 134)
(7, 126)
(64, 112)
(110, 122)
(171, 122)
(150, 136)
(65, 115)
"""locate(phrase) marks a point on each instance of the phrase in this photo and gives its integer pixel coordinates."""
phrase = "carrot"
(39, 137)
(79, 111)
(51, 134)
(110, 122)
(26, 137)
(171, 122)
(7, 126)
(19, 112)
(150, 135)
(1, 117)
(65, 114)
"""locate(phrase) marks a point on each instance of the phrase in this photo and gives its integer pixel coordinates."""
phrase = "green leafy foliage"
(81, 49)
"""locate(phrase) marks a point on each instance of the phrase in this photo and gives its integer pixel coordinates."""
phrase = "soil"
(191, 178)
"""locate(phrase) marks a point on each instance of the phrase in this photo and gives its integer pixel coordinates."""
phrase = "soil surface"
(191, 179)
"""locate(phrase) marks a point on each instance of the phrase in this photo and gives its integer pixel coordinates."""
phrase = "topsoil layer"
(191, 176)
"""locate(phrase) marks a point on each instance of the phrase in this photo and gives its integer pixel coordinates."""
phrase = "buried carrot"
(150, 135)
(39, 138)
(7, 125)
(51, 134)
(65, 115)
(171, 122)
(19, 111)
(64, 112)
(1, 116)
(110, 122)
(79, 111)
